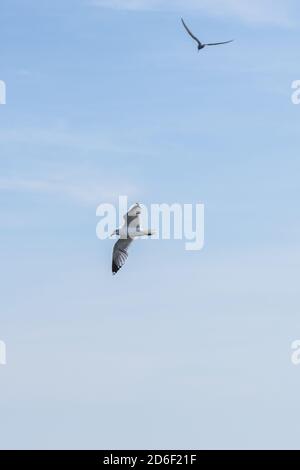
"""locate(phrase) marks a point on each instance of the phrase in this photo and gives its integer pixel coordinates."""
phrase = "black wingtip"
(115, 268)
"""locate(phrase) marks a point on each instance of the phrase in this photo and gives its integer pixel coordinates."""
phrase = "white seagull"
(127, 233)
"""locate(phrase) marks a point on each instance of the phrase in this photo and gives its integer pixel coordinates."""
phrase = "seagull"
(127, 233)
(200, 45)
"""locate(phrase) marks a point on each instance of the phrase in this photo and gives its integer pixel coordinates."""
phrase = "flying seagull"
(127, 233)
(200, 45)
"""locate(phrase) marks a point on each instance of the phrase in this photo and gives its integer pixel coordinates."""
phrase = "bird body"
(127, 233)
(199, 43)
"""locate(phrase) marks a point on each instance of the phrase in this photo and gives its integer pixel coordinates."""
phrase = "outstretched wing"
(190, 33)
(219, 43)
(120, 254)
(132, 218)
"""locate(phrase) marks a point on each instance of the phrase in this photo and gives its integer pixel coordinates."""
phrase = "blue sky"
(180, 350)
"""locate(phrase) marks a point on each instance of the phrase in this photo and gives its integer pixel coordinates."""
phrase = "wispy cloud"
(264, 11)
(88, 193)
(64, 138)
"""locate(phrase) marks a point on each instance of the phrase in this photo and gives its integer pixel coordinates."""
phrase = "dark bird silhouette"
(200, 44)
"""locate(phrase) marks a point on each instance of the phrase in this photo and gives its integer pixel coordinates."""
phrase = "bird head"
(116, 232)
(151, 233)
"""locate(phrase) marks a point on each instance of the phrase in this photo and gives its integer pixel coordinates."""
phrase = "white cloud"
(74, 183)
(64, 138)
(265, 11)
(89, 192)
